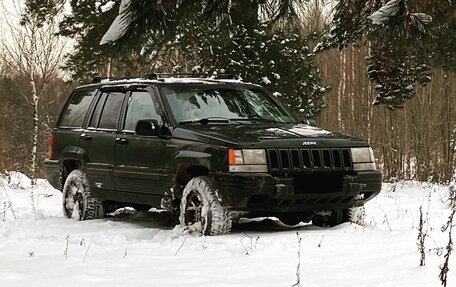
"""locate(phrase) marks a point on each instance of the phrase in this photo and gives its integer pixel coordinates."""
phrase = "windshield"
(207, 103)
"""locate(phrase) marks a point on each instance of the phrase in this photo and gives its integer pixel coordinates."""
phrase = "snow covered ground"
(144, 249)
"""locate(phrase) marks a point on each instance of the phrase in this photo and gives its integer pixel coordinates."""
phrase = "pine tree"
(276, 58)
(209, 36)
(406, 39)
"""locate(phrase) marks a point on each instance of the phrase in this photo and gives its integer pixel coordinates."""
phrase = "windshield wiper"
(205, 121)
(253, 119)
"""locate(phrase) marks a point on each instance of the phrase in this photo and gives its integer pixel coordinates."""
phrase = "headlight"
(247, 160)
(363, 158)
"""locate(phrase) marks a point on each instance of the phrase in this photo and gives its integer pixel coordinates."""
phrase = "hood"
(268, 135)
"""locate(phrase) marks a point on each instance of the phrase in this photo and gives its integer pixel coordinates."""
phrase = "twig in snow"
(452, 196)
(65, 253)
(253, 243)
(32, 198)
(8, 204)
(246, 251)
(4, 211)
(298, 268)
(386, 220)
(203, 243)
(183, 242)
(319, 244)
(437, 251)
(87, 250)
(125, 254)
(443, 276)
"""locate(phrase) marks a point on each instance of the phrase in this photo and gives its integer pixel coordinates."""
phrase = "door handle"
(121, 140)
(85, 137)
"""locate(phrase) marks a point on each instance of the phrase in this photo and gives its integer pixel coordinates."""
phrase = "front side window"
(194, 103)
(140, 107)
(77, 108)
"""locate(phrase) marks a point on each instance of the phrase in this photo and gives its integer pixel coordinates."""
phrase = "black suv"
(207, 150)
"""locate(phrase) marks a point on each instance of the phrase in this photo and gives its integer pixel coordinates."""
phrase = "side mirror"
(147, 128)
(309, 122)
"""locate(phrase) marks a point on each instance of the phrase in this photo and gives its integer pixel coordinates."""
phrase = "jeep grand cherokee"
(206, 150)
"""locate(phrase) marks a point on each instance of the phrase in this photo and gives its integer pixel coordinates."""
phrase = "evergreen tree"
(406, 39)
(276, 58)
(236, 37)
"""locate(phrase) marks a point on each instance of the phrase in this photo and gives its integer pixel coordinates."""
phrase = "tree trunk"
(35, 100)
(341, 89)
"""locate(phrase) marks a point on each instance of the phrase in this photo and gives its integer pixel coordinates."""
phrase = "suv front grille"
(309, 159)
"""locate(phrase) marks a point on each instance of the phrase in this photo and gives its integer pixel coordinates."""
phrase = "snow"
(382, 15)
(108, 6)
(144, 249)
(392, 8)
(119, 25)
(265, 80)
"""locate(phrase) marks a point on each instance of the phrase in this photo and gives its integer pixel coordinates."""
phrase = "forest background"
(44, 56)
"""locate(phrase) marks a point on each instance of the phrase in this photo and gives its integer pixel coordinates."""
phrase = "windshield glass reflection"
(222, 104)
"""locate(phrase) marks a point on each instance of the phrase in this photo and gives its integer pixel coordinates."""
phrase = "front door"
(139, 171)
(98, 142)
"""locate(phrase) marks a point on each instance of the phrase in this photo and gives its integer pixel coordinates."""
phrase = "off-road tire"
(357, 215)
(76, 193)
(215, 219)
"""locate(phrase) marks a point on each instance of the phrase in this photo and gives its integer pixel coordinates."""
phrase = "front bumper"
(299, 193)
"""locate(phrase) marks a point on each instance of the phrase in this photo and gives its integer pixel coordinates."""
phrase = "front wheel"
(201, 210)
(78, 202)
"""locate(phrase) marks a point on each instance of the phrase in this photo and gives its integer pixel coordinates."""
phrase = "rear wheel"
(201, 210)
(78, 202)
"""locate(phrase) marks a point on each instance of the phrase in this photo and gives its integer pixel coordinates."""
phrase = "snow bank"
(16, 202)
(147, 249)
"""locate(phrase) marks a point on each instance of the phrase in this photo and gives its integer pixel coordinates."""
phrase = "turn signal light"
(50, 144)
(231, 156)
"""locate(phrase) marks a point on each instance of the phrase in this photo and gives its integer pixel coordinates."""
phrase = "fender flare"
(73, 153)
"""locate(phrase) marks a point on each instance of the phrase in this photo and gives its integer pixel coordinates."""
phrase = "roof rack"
(156, 76)
(161, 76)
(99, 79)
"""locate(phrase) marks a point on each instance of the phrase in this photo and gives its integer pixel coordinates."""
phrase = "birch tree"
(32, 51)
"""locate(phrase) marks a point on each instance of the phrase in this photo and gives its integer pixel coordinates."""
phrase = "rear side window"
(97, 112)
(107, 111)
(77, 108)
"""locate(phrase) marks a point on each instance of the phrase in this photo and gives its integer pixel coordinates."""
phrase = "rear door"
(140, 160)
(99, 142)
(66, 137)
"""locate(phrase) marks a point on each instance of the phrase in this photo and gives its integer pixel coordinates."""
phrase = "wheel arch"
(71, 158)
(188, 164)
(185, 166)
